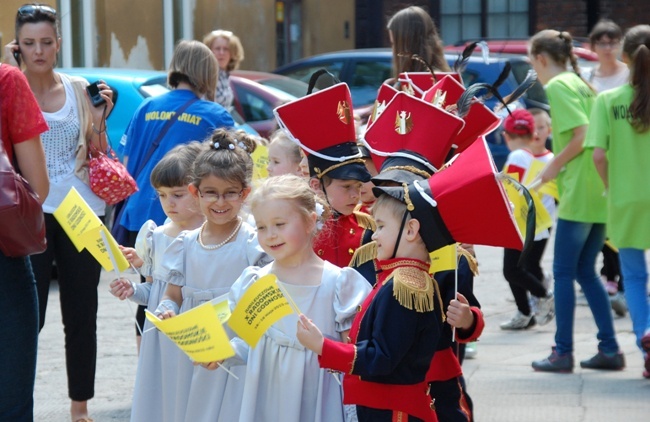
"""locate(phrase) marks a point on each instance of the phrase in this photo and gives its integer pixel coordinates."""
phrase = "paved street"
(500, 379)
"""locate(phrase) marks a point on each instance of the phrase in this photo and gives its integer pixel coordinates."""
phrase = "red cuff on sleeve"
(338, 356)
(475, 331)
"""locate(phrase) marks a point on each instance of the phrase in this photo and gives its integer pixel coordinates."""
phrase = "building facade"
(142, 33)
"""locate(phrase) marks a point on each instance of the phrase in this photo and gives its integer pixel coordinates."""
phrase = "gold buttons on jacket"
(351, 251)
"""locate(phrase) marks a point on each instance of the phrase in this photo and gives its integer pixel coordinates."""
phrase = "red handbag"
(109, 179)
(22, 226)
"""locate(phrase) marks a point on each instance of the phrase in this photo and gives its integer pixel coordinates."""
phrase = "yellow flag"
(260, 160)
(543, 219)
(221, 307)
(197, 332)
(535, 168)
(92, 240)
(443, 259)
(261, 305)
(550, 188)
(76, 218)
(520, 208)
(83, 227)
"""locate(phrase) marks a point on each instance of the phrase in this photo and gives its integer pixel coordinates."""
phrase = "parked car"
(283, 83)
(255, 103)
(520, 46)
(365, 70)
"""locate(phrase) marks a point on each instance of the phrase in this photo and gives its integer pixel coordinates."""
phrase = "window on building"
(475, 19)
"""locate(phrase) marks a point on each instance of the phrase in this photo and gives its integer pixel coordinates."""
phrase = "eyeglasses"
(214, 196)
(30, 9)
(610, 44)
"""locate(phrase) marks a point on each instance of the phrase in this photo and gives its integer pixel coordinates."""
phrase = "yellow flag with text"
(443, 259)
(549, 188)
(197, 332)
(84, 228)
(520, 208)
(260, 161)
(260, 306)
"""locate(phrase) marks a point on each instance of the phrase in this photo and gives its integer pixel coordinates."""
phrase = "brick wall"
(565, 15)
(626, 13)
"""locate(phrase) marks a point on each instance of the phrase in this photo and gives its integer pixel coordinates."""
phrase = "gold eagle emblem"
(403, 122)
(344, 112)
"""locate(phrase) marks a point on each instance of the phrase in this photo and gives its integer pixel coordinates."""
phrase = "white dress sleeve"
(172, 267)
(144, 247)
(351, 290)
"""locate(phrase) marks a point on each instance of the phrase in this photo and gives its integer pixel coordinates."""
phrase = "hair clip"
(241, 145)
(231, 146)
(320, 209)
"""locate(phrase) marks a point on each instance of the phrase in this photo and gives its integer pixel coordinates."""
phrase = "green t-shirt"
(628, 153)
(580, 188)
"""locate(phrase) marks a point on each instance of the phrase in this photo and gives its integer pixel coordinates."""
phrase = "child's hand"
(167, 314)
(210, 365)
(131, 255)
(121, 288)
(459, 314)
(309, 335)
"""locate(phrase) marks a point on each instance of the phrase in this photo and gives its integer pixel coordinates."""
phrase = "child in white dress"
(202, 264)
(170, 178)
(283, 380)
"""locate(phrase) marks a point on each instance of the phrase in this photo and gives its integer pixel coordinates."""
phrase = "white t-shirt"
(603, 83)
(60, 143)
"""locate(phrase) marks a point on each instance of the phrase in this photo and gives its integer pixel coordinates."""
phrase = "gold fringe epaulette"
(363, 254)
(415, 289)
(365, 221)
(471, 260)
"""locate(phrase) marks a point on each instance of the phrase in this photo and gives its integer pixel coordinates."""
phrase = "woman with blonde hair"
(228, 51)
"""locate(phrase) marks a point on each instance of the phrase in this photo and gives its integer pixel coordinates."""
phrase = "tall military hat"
(479, 121)
(322, 124)
(410, 139)
(463, 202)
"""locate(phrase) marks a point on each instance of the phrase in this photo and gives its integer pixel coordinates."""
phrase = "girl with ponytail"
(582, 209)
(620, 137)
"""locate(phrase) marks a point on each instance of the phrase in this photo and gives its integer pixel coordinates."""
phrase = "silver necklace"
(217, 246)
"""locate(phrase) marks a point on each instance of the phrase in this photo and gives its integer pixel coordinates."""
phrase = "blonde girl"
(284, 155)
(202, 264)
(283, 380)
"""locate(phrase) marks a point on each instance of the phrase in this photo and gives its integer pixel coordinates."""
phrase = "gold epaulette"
(473, 263)
(415, 289)
(364, 220)
(363, 254)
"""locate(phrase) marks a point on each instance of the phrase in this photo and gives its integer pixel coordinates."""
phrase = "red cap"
(519, 122)
(478, 122)
(417, 83)
(410, 124)
(463, 202)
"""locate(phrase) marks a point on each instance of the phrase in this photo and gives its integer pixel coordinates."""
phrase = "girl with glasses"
(202, 264)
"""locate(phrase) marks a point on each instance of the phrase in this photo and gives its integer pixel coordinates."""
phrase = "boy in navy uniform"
(395, 334)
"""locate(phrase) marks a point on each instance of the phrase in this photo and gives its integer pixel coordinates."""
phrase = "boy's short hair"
(520, 122)
(536, 111)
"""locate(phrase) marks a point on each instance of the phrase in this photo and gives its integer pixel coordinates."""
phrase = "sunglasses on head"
(30, 9)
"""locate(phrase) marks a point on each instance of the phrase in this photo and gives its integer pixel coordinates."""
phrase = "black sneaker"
(555, 363)
(602, 361)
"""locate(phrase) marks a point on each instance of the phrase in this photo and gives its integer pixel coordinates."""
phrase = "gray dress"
(204, 275)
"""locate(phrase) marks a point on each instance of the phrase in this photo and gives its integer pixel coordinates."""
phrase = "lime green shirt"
(628, 153)
(580, 188)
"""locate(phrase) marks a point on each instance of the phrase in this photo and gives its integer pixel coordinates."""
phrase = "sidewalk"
(501, 382)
